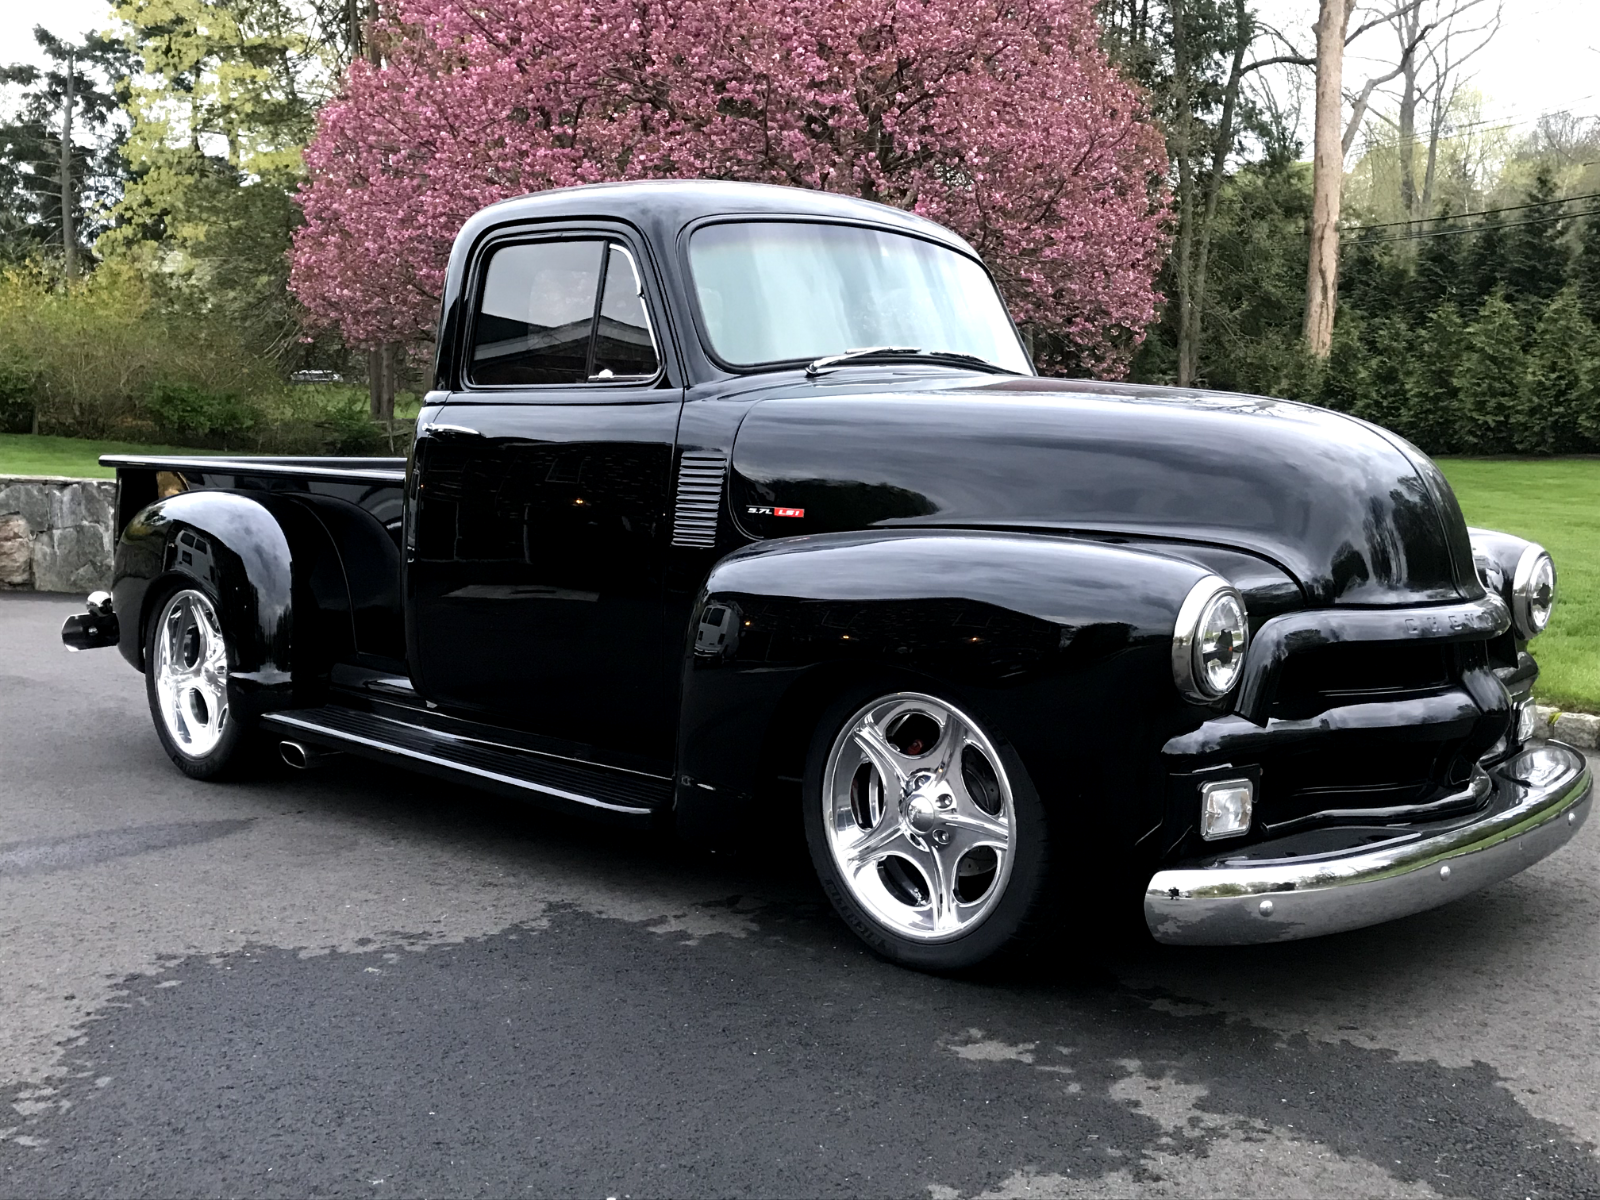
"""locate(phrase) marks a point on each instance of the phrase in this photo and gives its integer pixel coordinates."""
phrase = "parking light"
(1225, 808)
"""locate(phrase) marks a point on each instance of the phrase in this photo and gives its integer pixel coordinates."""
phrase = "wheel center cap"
(923, 812)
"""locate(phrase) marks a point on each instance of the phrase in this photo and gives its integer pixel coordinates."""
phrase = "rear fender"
(1063, 646)
(273, 572)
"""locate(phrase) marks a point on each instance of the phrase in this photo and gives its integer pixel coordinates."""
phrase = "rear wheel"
(925, 831)
(187, 665)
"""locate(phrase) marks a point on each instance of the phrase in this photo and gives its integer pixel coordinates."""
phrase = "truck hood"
(1355, 515)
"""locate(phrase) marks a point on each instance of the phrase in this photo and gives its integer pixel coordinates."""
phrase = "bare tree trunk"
(1431, 171)
(69, 235)
(1408, 142)
(1411, 33)
(382, 363)
(1327, 178)
(352, 16)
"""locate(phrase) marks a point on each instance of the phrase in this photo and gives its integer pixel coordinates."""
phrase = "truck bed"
(360, 502)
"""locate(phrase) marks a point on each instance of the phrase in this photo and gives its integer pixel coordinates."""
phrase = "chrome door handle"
(452, 430)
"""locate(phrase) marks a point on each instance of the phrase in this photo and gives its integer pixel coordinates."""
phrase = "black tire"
(1016, 919)
(233, 746)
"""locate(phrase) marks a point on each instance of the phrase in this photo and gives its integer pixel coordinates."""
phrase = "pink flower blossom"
(1001, 119)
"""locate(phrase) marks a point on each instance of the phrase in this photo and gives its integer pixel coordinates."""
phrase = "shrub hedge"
(103, 359)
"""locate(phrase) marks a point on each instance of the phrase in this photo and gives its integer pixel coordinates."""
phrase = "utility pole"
(69, 237)
(1327, 177)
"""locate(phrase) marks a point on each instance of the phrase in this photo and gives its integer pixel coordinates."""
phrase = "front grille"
(1401, 767)
(1360, 780)
(1345, 673)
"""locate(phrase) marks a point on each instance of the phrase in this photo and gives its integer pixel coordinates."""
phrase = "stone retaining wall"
(1576, 729)
(56, 535)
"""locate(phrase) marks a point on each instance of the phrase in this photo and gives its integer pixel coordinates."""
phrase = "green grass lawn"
(77, 458)
(1555, 502)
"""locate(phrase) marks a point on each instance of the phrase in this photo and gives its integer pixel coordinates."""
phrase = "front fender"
(257, 557)
(1063, 644)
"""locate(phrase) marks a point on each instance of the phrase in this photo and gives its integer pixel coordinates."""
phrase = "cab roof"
(661, 208)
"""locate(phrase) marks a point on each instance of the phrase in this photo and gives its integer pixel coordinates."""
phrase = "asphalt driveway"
(356, 982)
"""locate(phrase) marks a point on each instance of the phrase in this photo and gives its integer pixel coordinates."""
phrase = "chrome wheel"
(190, 661)
(919, 817)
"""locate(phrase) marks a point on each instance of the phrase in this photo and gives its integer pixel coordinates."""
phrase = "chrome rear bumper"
(1541, 798)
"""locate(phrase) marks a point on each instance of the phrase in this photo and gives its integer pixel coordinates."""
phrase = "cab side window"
(561, 312)
(536, 319)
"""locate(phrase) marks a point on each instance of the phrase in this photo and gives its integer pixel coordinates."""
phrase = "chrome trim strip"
(391, 470)
(282, 718)
(1234, 734)
(1550, 790)
(466, 739)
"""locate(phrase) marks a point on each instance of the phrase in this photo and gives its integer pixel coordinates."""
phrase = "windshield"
(777, 291)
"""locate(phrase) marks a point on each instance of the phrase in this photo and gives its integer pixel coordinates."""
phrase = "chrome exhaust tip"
(302, 757)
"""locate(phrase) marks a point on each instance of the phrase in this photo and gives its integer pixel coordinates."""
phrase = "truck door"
(542, 518)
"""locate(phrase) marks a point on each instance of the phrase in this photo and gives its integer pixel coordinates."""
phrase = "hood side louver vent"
(699, 498)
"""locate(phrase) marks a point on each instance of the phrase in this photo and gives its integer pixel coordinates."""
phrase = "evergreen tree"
(1440, 268)
(1556, 390)
(1489, 380)
(1370, 277)
(1387, 342)
(1433, 409)
(1343, 379)
(1485, 263)
(1586, 267)
(1535, 254)
(30, 144)
(1588, 416)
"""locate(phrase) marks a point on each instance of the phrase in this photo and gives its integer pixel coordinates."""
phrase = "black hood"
(1355, 515)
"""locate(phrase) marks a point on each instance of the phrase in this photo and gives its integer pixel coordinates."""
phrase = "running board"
(582, 787)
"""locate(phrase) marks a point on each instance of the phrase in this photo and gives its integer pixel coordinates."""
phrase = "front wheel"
(925, 831)
(186, 681)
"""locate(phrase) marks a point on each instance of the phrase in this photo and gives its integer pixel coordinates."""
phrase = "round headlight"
(1210, 640)
(1533, 591)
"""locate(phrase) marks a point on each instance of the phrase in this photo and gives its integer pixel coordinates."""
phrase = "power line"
(1485, 125)
(1481, 213)
(1412, 237)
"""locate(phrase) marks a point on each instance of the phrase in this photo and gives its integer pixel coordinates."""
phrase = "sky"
(1546, 57)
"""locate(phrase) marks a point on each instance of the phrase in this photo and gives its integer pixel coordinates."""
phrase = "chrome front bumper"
(1541, 798)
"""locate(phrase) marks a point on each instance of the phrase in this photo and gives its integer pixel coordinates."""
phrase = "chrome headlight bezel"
(1188, 662)
(1532, 618)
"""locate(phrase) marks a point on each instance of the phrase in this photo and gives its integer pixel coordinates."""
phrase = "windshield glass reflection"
(780, 291)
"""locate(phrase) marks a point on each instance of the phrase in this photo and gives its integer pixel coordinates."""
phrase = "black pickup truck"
(742, 509)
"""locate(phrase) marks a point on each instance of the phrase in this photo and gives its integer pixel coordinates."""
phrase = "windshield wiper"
(818, 366)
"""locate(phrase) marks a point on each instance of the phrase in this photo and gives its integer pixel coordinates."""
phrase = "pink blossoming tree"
(999, 118)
